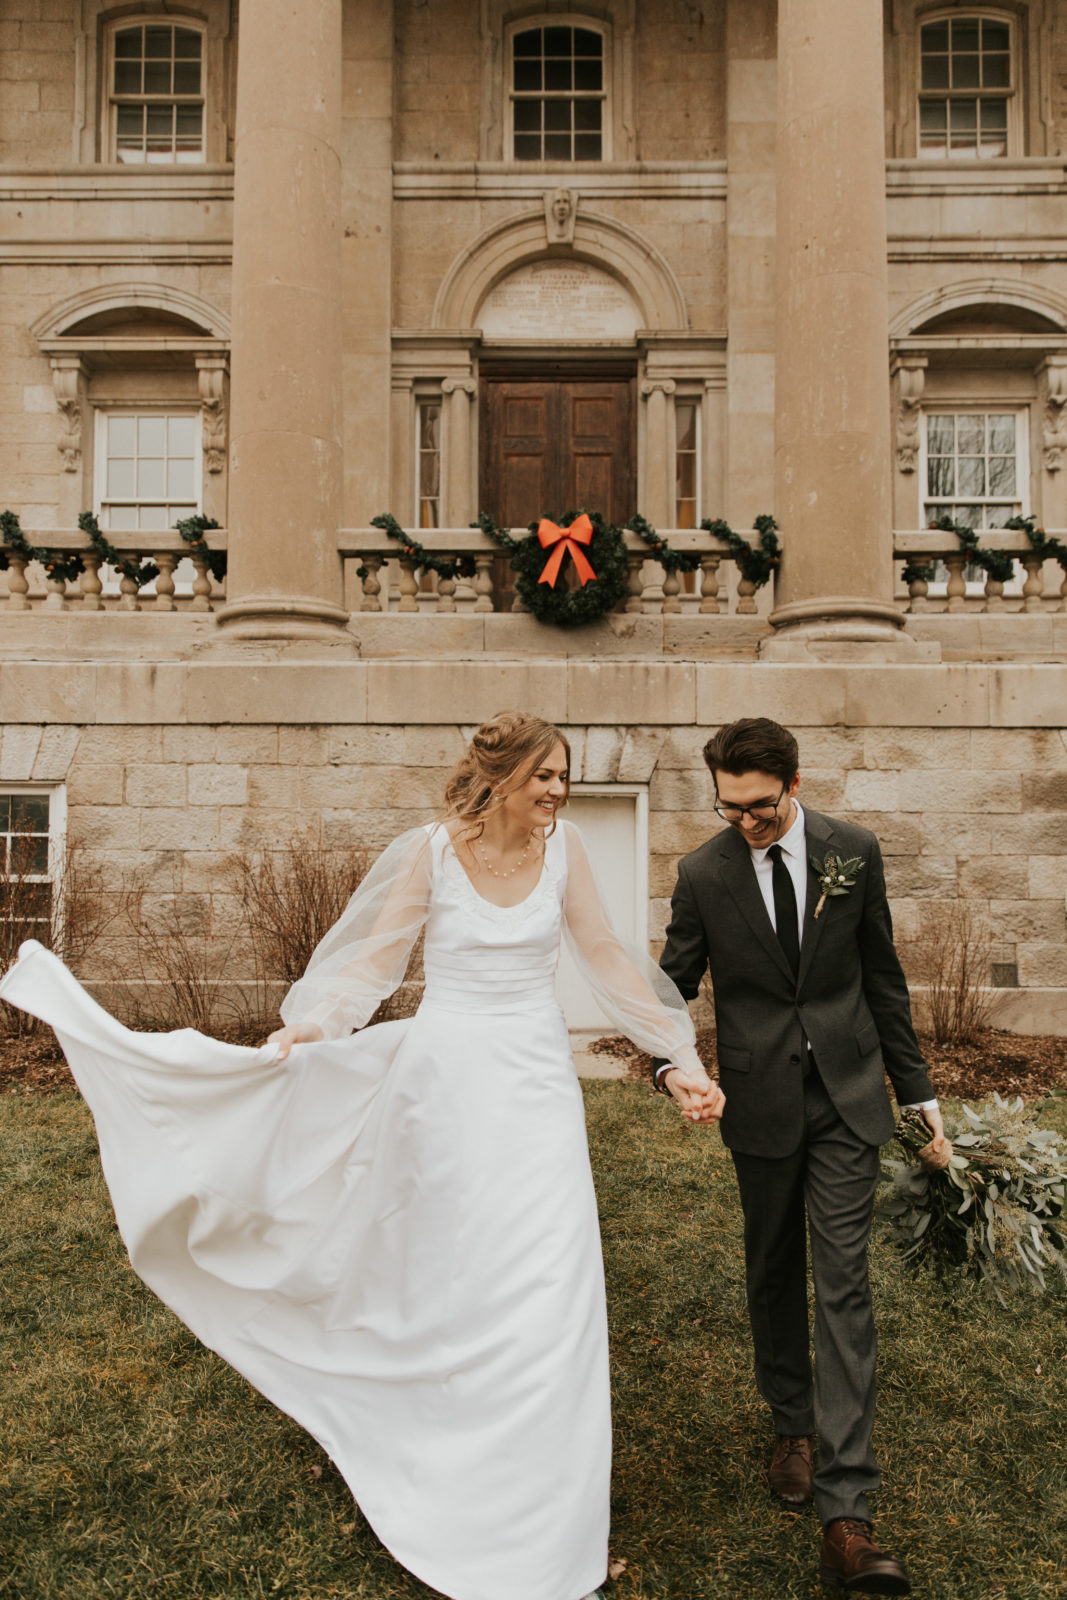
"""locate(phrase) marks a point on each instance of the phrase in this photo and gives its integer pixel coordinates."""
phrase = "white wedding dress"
(394, 1236)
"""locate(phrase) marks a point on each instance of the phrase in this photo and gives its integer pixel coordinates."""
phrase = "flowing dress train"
(393, 1234)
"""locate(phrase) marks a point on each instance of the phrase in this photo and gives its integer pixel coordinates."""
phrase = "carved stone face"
(561, 207)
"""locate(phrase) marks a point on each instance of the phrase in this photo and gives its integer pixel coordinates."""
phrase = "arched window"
(156, 93)
(968, 87)
(558, 78)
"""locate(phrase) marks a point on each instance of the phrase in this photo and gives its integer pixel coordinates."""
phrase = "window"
(973, 467)
(428, 463)
(148, 469)
(157, 94)
(27, 826)
(686, 463)
(965, 87)
(557, 94)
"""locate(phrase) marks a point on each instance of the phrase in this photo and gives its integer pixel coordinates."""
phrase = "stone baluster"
(518, 603)
(409, 589)
(129, 594)
(372, 586)
(672, 587)
(201, 600)
(446, 593)
(55, 598)
(1034, 587)
(956, 588)
(166, 561)
(89, 583)
(918, 592)
(483, 582)
(17, 587)
(709, 585)
(994, 595)
(1063, 591)
(635, 568)
(746, 601)
(465, 595)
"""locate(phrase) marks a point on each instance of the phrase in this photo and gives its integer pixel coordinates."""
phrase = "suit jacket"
(849, 999)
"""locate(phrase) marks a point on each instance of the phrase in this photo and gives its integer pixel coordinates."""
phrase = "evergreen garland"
(670, 560)
(67, 565)
(755, 563)
(192, 530)
(141, 572)
(555, 604)
(63, 566)
(412, 550)
(998, 565)
(1046, 548)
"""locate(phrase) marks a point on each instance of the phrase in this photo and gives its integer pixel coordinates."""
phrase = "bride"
(394, 1236)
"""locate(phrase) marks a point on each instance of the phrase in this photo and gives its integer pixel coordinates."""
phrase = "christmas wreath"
(594, 547)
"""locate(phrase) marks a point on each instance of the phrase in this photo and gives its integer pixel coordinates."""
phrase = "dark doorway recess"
(550, 445)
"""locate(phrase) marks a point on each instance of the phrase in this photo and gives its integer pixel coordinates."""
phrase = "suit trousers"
(833, 1176)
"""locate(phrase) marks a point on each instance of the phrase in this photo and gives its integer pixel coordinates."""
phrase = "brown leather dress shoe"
(852, 1560)
(790, 1475)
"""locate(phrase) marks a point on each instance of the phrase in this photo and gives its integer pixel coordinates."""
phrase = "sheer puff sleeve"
(636, 994)
(364, 956)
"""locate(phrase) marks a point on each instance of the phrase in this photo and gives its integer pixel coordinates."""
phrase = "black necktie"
(785, 908)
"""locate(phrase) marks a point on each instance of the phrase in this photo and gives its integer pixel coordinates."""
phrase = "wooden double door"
(555, 444)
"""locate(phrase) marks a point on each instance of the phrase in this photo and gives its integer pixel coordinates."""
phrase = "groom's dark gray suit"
(801, 1065)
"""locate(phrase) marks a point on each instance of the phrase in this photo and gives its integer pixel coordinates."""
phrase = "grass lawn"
(136, 1464)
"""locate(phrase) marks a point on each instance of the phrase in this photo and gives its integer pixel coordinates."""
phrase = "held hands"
(700, 1099)
(299, 1033)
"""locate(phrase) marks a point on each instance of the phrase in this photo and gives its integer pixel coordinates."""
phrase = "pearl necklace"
(490, 867)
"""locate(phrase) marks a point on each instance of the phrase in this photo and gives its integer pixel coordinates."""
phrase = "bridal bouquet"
(996, 1210)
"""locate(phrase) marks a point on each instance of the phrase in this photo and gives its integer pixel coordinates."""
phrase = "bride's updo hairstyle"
(504, 753)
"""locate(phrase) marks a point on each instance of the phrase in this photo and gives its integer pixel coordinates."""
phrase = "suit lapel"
(740, 878)
(818, 836)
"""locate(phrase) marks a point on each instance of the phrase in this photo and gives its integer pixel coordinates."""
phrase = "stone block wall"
(976, 814)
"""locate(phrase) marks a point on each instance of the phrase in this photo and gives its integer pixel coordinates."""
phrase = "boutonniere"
(836, 876)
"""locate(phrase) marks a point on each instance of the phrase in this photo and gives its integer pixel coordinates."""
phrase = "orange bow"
(566, 539)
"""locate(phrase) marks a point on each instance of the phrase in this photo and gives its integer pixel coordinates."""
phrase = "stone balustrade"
(30, 588)
(1044, 588)
(394, 584)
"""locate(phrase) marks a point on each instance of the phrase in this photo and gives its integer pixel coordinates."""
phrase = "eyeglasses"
(765, 812)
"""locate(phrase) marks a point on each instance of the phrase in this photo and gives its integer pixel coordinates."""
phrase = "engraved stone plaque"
(559, 300)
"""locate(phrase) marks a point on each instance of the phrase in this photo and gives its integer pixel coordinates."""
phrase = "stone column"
(458, 499)
(285, 577)
(832, 424)
(658, 490)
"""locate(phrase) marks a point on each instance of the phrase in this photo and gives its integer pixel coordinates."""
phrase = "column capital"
(459, 386)
(651, 386)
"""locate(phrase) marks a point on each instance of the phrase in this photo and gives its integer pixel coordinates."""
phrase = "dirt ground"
(1010, 1063)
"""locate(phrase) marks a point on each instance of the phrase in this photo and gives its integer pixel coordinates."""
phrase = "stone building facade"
(291, 264)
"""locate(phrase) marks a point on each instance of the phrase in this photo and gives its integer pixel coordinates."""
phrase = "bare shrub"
(66, 908)
(953, 959)
(176, 966)
(289, 899)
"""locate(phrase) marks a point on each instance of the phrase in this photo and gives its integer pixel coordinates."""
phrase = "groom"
(810, 1006)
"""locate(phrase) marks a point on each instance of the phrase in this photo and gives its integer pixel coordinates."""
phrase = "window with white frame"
(974, 469)
(156, 93)
(686, 462)
(31, 822)
(558, 93)
(967, 87)
(428, 463)
(148, 468)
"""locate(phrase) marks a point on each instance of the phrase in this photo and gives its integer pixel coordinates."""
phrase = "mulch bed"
(1010, 1063)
